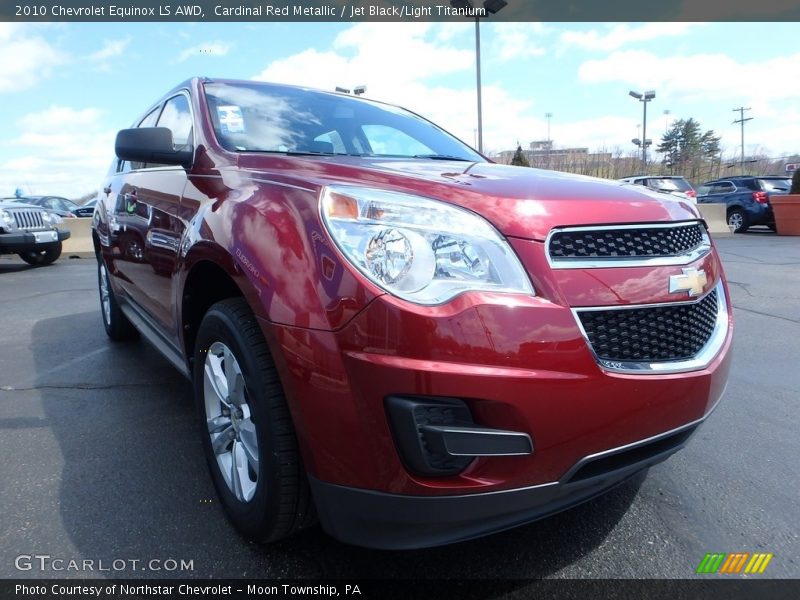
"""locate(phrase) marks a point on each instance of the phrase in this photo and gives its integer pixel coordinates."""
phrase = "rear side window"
(775, 185)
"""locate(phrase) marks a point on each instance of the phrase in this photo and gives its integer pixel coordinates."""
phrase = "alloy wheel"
(105, 299)
(230, 424)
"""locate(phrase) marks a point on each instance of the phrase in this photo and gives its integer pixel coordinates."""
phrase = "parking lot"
(102, 459)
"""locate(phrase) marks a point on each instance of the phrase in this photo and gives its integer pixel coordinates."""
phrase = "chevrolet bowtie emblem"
(692, 281)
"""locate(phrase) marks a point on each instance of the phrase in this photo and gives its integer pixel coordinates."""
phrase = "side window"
(123, 166)
(750, 184)
(177, 117)
(725, 187)
(150, 119)
(388, 140)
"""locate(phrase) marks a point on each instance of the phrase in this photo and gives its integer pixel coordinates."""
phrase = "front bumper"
(522, 366)
(24, 241)
(398, 522)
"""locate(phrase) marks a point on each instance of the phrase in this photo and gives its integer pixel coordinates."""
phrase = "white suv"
(667, 184)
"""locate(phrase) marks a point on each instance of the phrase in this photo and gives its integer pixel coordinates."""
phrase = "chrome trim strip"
(498, 432)
(700, 361)
(586, 459)
(613, 262)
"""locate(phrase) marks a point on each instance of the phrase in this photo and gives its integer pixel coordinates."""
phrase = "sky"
(66, 88)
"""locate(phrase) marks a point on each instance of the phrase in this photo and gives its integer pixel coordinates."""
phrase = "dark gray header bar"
(398, 10)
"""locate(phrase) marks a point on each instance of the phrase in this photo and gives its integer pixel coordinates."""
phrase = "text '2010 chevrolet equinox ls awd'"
(391, 334)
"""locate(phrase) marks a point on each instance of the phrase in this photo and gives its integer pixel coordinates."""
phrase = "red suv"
(392, 334)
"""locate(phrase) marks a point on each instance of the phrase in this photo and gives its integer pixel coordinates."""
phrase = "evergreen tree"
(686, 148)
(519, 159)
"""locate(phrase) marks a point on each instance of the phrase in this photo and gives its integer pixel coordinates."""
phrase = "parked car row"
(63, 207)
(747, 197)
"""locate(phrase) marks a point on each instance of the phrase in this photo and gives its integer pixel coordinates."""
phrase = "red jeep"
(390, 333)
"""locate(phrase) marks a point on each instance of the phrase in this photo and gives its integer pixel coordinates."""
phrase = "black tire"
(737, 220)
(280, 503)
(43, 257)
(116, 324)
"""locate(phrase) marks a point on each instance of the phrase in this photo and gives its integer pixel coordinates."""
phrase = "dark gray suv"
(30, 232)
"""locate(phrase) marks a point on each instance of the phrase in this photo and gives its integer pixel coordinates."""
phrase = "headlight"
(422, 250)
(8, 220)
(51, 218)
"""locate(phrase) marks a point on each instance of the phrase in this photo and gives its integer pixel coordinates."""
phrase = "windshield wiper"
(443, 157)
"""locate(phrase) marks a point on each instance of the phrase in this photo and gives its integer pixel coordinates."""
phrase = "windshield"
(776, 185)
(270, 118)
(670, 184)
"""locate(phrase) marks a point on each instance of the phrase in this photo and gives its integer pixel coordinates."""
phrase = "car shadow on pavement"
(134, 484)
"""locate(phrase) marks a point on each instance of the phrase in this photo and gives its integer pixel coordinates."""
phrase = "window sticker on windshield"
(230, 119)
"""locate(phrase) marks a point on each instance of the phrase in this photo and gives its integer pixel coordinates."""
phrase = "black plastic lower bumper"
(394, 522)
(25, 241)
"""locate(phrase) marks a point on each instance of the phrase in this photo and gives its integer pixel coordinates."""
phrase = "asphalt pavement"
(102, 459)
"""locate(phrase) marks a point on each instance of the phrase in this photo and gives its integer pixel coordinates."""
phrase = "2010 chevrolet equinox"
(390, 333)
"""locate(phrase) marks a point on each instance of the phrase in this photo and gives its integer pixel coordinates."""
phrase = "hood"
(7, 204)
(519, 201)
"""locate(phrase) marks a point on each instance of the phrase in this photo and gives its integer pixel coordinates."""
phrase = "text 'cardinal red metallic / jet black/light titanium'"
(391, 334)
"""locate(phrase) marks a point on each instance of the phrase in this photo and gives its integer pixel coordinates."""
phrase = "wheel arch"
(209, 276)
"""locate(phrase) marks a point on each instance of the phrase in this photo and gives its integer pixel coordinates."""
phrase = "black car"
(61, 206)
(85, 210)
(747, 198)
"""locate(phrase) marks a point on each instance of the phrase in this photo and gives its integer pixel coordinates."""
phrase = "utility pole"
(742, 120)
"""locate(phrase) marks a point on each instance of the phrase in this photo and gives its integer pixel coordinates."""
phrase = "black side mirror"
(151, 145)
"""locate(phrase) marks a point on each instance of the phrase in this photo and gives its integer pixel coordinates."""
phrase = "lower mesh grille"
(655, 333)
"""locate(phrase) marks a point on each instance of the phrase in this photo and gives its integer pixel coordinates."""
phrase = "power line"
(742, 120)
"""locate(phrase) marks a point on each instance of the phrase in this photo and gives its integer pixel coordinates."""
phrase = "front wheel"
(247, 432)
(44, 257)
(737, 220)
(117, 325)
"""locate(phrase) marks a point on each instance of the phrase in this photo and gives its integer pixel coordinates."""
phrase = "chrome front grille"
(28, 219)
(627, 245)
(672, 337)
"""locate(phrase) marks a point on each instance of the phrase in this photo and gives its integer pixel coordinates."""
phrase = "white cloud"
(515, 41)
(110, 49)
(216, 48)
(617, 36)
(61, 150)
(384, 56)
(699, 76)
(33, 58)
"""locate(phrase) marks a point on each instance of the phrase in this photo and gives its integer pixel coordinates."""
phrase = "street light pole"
(489, 7)
(548, 116)
(478, 71)
(644, 99)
